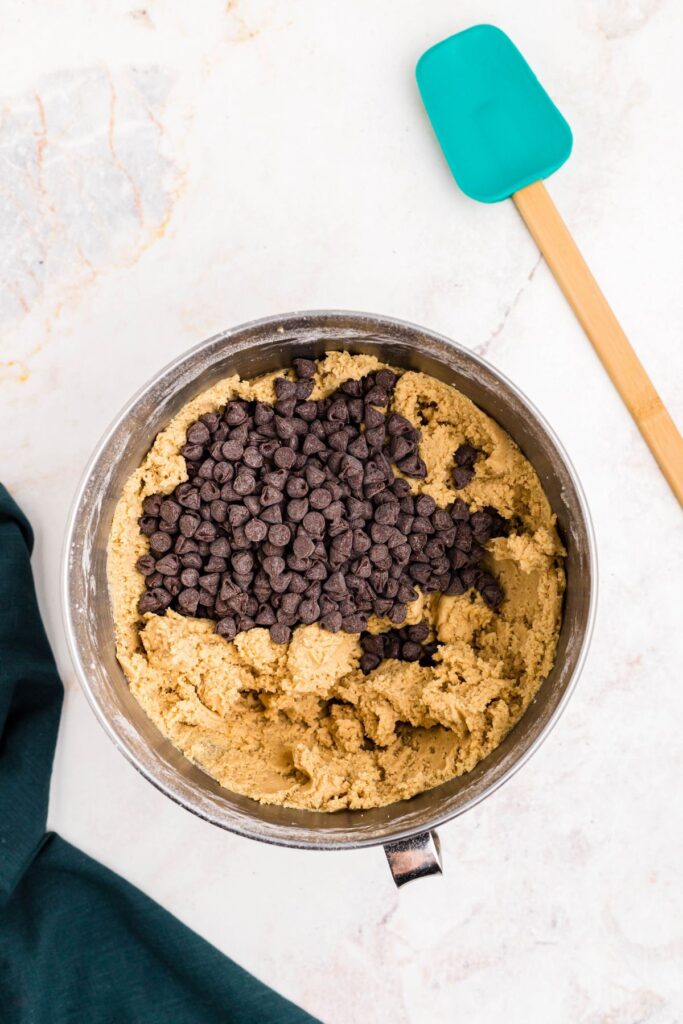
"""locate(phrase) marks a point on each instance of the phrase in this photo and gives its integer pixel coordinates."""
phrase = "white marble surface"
(173, 169)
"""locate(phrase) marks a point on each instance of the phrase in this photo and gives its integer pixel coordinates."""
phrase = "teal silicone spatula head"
(496, 124)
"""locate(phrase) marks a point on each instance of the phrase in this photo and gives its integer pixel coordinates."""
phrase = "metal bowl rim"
(74, 514)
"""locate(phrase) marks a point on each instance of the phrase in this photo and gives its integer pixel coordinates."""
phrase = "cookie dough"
(299, 724)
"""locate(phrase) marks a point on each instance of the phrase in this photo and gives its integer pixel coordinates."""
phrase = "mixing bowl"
(404, 828)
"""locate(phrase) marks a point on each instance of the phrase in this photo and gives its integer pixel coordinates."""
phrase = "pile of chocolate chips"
(292, 514)
(406, 644)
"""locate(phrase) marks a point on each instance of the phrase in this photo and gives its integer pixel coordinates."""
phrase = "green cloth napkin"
(78, 944)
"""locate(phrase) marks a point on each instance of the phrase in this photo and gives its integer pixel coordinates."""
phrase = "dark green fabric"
(78, 944)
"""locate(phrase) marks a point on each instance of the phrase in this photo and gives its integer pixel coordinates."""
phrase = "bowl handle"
(415, 857)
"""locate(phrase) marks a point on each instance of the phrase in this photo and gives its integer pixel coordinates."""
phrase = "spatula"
(502, 135)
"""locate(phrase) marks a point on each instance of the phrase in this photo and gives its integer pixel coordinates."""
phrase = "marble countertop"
(174, 169)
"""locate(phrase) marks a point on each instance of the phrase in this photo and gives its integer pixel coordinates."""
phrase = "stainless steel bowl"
(254, 348)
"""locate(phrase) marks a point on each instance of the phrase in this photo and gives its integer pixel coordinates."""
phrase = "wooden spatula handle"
(602, 327)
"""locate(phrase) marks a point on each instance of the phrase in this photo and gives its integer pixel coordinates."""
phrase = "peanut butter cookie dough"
(299, 723)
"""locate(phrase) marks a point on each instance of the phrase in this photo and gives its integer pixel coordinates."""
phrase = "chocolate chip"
(413, 466)
(493, 595)
(192, 452)
(154, 600)
(355, 623)
(425, 505)
(297, 584)
(335, 586)
(309, 611)
(481, 523)
(307, 411)
(160, 543)
(369, 662)
(193, 560)
(284, 427)
(303, 368)
(271, 514)
(279, 633)
(146, 564)
(188, 524)
(339, 440)
(303, 546)
(255, 530)
(466, 455)
(189, 498)
(316, 571)
(243, 581)
(223, 472)
(398, 612)
(285, 407)
(212, 420)
(392, 644)
(189, 577)
(353, 388)
(268, 549)
(227, 627)
(376, 395)
(332, 621)
(263, 414)
(400, 447)
(387, 514)
(289, 603)
(373, 643)
(279, 534)
(284, 458)
(148, 525)
(188, 600)
(252, 457)
(280, 584)
(469, 577)
(198, 433)
(441, 520)
(418, 633)
(235, 413)
(232, 450)
(205, 532)
(380, 533)
(410, 651)
(210, 582)
(313, 523)
(274, 565)
(297, 509)
(151, 505)
(170, 511)
(338, 411)
(270, 495)
(285, 388)
(397, 424)
(462, 476)
(296, 487)
(244, 482)
(375, 436)
(386, 379)
(242, 562)
(265, 616)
